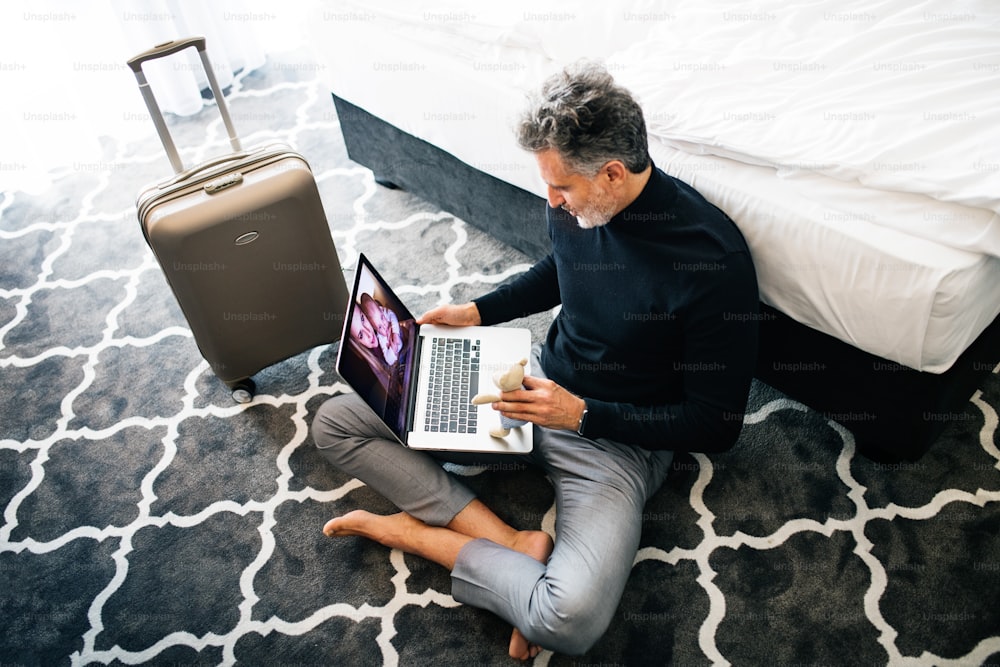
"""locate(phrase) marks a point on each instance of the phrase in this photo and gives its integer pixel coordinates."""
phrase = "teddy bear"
(506, 381)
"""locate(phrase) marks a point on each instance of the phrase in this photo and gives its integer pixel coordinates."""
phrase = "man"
(652, 352)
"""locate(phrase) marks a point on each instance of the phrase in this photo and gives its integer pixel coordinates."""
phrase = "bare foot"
(396, 531)
(401, 531)
(538, 545)
(386, 530)
(520, 648)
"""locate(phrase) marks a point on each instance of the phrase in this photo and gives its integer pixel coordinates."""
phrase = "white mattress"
(910, 276)
(821, 259)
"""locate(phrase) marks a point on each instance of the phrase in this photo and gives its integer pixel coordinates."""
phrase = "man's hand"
(542, 402)
(461, 315)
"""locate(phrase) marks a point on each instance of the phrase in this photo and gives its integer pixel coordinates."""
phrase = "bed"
(857, 147)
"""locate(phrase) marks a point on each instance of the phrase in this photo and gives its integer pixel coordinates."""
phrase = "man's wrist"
(472, 314)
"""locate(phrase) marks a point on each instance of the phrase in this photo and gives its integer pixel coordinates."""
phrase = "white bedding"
(897, 95)
(905, 275)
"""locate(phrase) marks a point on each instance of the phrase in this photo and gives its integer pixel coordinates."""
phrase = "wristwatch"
(583, 421)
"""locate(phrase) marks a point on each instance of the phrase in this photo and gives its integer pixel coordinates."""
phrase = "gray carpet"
(148, 519)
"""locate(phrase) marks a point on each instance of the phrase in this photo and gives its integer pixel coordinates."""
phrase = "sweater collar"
(659, 194)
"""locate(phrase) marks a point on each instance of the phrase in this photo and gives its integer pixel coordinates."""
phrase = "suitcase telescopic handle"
(161, 51)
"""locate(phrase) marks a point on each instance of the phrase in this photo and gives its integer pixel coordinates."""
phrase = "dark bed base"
(894, 412)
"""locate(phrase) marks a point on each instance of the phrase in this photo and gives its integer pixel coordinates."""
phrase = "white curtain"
(65, 84)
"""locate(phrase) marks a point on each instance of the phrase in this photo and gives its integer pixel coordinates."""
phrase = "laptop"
(420, 379)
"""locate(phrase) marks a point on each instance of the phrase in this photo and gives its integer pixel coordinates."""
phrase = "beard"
(597, 212)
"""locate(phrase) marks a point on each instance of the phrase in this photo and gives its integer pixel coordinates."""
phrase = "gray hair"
(587, 119)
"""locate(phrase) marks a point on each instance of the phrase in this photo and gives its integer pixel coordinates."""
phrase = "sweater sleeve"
(718, 364)
(532, 292)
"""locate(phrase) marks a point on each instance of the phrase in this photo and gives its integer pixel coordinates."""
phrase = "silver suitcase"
(245, 246)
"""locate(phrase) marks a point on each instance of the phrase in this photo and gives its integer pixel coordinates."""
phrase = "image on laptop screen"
(378, 358)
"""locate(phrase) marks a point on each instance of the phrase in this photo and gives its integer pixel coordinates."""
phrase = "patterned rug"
(149, 519)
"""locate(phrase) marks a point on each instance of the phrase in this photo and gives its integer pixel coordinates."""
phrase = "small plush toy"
(507, 381)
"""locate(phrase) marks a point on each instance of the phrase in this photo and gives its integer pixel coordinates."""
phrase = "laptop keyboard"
(453, 381)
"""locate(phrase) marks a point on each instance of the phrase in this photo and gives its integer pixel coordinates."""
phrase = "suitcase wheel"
(243, 390)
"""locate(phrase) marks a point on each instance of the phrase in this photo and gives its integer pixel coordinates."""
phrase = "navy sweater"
(658, 325)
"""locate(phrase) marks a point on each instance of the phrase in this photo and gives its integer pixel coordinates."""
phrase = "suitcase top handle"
(161, 51)
(165, 49)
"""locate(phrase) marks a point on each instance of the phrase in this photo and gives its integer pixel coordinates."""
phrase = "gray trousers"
(601, 487)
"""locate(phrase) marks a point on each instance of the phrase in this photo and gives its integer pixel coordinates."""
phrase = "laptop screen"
(378, 348)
